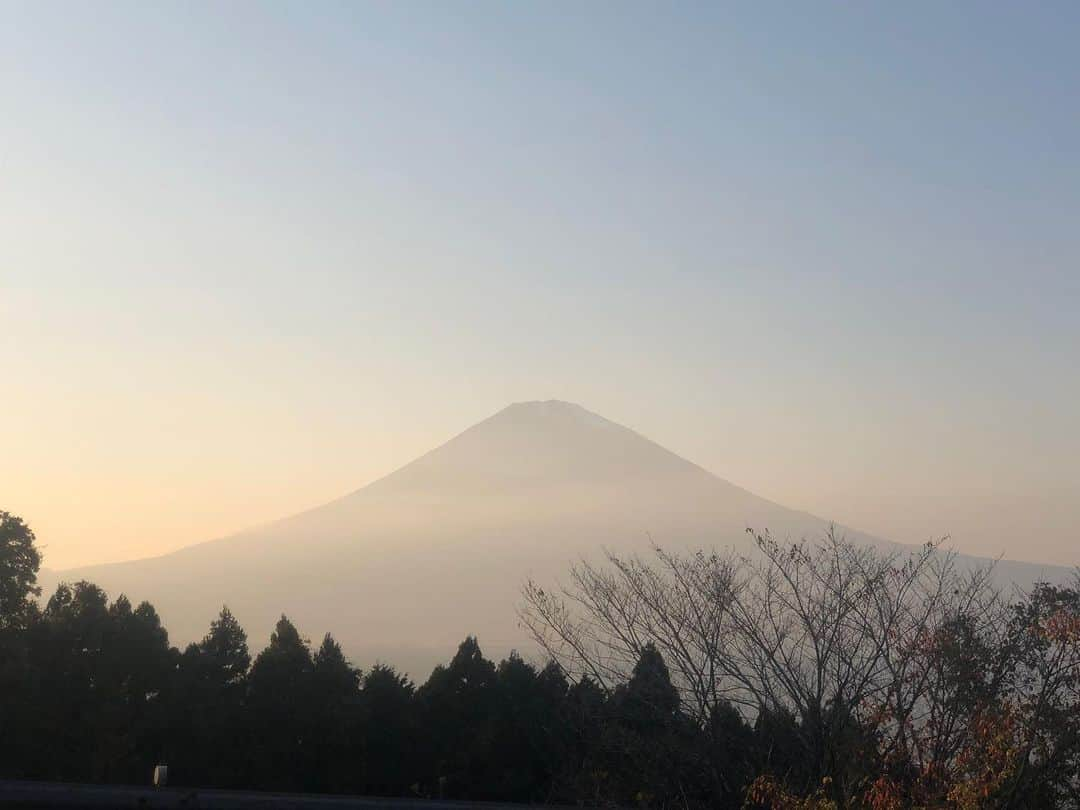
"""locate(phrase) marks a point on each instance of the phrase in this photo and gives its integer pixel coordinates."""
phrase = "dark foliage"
(97, 695)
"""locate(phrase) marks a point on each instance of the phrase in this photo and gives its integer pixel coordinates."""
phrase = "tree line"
(804, 676)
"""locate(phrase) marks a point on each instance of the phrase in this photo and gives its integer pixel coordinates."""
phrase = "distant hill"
(404, 568)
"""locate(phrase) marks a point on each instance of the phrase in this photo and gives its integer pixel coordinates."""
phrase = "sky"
(254, 256)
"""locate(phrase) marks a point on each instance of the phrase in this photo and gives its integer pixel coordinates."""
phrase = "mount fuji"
(404, 568)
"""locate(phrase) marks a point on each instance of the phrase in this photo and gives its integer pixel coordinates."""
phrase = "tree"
(19, 564)
(280, 710)
(206, 702)
(681, 605)
(135, 668)
(835, 635)
(458, 710)
(97, 673)
(652, 749)
(336, 706)
(528, 737)
(68, 654)
(387, 734)
(225, 648)
(650, 700)
(1045, 691)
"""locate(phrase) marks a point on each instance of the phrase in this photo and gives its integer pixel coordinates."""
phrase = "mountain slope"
(407, 566)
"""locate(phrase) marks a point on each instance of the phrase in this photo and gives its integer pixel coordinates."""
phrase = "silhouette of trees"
(808, 677)
(94, 674)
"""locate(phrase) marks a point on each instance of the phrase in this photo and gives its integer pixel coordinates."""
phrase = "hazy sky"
(255, 256)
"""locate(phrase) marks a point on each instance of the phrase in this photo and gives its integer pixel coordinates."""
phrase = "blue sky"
(829, 252)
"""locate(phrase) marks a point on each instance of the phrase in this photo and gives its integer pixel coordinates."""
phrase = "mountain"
(404, 568)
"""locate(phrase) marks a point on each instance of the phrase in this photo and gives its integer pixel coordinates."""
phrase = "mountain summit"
(405, 567)
(537, 444)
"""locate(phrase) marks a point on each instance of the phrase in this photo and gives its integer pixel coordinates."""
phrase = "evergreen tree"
(387, 735)
(281, 703)
(98, 673)
(528, 738)
(458, 709)
(583, 775)
(336, 708)
(225, 648)
(206, 703)
(647, 737)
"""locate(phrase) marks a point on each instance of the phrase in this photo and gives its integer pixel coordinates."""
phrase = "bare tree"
(838, 635)
(599, 625)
